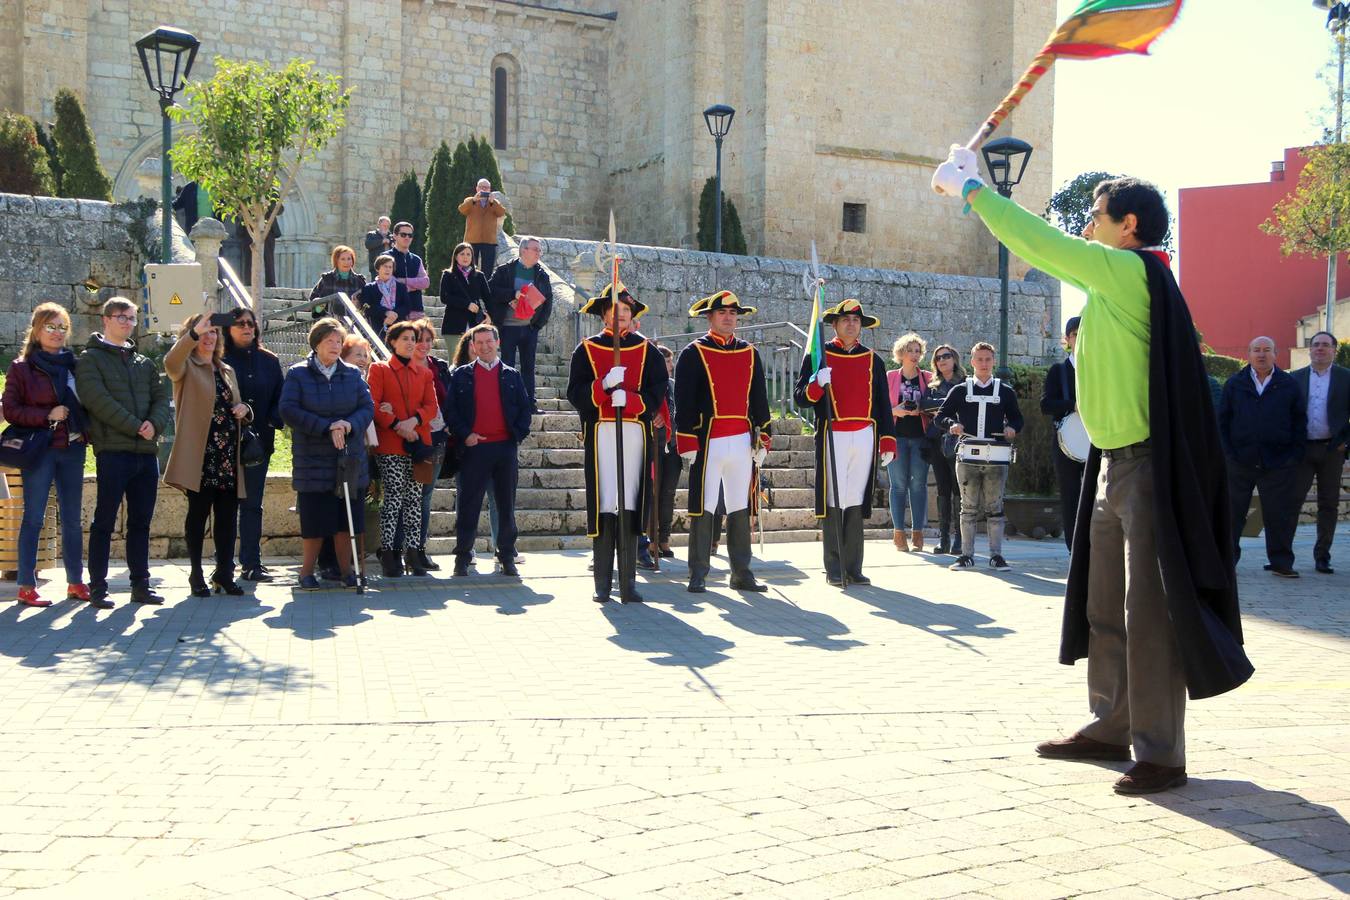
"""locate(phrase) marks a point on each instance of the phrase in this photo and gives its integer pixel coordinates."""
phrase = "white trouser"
(726, 472)
(852, 457)
(632, 465)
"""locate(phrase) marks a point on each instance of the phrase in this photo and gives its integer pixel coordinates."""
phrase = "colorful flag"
(1096, 29)
(815, 349)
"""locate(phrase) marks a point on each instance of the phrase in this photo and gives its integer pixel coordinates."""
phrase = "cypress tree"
(53, 160)
(407, 205)
(82, 174)
(462, 178)
(733, 239)
(443, 220)
(23, 162)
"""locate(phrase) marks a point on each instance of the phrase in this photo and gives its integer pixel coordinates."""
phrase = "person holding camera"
(379, 241)
(205, 462)
(908, 472)
(482, 214)
(40, 394)
(405, 405)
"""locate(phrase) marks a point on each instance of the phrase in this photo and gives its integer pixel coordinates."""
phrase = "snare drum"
(984, 452)
(1073, 438)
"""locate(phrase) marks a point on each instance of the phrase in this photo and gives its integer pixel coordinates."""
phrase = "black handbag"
(21, 448)
(251, 450)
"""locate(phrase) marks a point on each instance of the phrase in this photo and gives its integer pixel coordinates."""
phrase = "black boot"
(197, 583)
(700, 551)
(829, 527)
(142, 592)
(222, 582)
(412, 563)
(390, 565)
(853, 545)
(427, 562)
(944, 544)
(602, 550)
(738, 553)
(628, 564)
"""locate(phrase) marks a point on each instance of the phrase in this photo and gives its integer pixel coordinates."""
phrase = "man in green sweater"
(128, 409)
(1146, 606)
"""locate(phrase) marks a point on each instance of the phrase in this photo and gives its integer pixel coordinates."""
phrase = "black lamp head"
(174, 51)
(1006, 158)
(719, 116)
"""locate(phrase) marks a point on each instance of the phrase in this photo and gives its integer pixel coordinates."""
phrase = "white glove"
(689, 455)
(613, 378)
(953, 174)
(887, 458)
(823, 376)
(760, 455)
(619, 398)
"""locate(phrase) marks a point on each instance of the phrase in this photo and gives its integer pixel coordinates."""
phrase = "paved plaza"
(491, 738)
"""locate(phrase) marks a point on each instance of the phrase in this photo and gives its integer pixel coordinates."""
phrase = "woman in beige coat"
(205, 461)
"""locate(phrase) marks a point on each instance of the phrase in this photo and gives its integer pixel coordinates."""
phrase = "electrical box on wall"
(172, 293)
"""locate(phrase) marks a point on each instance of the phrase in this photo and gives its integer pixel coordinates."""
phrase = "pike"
(815, 349)
(610, 261)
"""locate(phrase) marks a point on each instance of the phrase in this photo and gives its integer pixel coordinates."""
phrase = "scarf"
(388, 292)
(61, 367)
(464, 270)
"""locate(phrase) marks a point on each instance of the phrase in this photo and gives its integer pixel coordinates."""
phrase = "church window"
(855, 217)
(499, 107)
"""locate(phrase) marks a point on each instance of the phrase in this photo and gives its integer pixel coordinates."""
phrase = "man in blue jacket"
(488, 412)
(1325, 391)
(1262, 425)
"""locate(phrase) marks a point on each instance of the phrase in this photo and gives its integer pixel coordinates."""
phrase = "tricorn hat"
(720, 300)
(850, 308)
(600, 303)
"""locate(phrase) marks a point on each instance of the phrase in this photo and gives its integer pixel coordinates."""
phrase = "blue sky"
(1221, 95)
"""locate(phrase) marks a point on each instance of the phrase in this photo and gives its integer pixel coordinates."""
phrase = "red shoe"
(29, 597)
(77, 592)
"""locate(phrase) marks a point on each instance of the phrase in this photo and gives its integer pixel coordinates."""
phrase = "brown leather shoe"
(916, 540)
(1148, 778)
(901, 543)
(1080, 746)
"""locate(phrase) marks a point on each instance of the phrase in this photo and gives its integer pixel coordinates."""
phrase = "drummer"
(1059, 400)
(983, 411)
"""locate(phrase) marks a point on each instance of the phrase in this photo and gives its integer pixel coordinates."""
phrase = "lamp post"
(719, 118)
(173, 51)
(1338, 16)
(1006, 159)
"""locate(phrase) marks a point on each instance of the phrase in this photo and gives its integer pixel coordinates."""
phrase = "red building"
(1236, 282)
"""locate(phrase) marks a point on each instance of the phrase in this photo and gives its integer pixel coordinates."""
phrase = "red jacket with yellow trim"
(644, 377)
(857, 395)
(719, 392)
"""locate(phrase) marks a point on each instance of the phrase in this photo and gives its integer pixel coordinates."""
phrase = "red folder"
(527, 301)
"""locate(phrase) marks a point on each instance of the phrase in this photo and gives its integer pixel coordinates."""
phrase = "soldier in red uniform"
(597, 388)
(721, 429)
(852, 404)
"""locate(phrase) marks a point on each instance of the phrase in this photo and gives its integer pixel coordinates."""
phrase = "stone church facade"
(596, 104)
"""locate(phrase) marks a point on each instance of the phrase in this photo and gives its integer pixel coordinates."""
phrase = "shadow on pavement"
(666, 639)
(179, 643)
(512, 598)
(317, 616)
(949, 621)
(1309, 835)
(767, 615)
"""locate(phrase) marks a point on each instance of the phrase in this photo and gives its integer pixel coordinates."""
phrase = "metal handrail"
(747, 327)
(234, 288)
(355, 321)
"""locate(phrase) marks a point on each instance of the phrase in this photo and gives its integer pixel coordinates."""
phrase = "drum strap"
(983, 400)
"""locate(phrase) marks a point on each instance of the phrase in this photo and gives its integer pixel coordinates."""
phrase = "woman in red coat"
(405, 404)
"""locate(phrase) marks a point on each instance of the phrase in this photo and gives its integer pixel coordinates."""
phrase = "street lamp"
(1006, 159)
(718, 117)
(173, 51)
(1338, 15)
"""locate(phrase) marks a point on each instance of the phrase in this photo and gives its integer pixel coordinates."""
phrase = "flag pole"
(620, 536)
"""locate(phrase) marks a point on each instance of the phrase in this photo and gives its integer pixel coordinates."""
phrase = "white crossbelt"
(983, 400)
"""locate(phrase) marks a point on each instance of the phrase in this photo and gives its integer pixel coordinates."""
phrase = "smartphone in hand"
(222, 320)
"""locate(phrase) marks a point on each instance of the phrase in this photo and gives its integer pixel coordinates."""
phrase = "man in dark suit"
(1262, 426)
(1059, 398)
(488, 412)
(1324, 392)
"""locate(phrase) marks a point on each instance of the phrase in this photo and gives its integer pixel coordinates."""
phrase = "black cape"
(1191, 514)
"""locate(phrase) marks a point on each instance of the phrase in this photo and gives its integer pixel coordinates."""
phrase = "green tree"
(256, 125)
(733, 239)
(1070, 207)
(53, 160)
(407, 205)
(462, 177)
(23, 162)
(1314, 218)
(485, 165)
(82, 174)
(444, 225)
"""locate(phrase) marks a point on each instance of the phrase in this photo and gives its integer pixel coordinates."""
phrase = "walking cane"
(351, 462)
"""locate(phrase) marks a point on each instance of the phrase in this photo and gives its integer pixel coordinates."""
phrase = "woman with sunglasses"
(40, 393)
(947, 373)
(259, 375)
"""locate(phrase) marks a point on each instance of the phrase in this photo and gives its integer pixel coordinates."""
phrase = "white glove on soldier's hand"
(823, 376)
(689, 455)
(952, 175)
(760, 455)
(613, 378)
(887, 458)
(619, 398)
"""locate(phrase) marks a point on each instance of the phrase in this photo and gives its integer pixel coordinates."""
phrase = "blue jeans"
(526, 340)
(64, 467)
(122, 473)
(908, 474)
(251, 515)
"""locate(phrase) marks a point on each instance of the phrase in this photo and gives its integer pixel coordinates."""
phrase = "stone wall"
(50, 249)
(957, 309)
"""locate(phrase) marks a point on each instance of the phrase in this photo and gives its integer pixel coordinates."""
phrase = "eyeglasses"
(403, 234)
(941, 356)
(244, 323)
(125, 320)
(55, 328)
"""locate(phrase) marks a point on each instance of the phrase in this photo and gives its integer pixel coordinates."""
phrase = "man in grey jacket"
(128, 409)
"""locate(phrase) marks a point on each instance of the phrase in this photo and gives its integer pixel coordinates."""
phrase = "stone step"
(534, 543)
